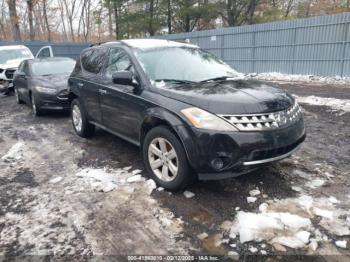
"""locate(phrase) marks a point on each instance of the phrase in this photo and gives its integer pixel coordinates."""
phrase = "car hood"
(243, 96)
(11, 64)
(59, 82)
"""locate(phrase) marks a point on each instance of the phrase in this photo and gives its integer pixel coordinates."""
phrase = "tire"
(37, 111)
(156, 154)
(18, 99)
(79, 120)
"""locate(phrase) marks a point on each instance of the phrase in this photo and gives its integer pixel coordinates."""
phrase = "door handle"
(80, 84)
(102, 91)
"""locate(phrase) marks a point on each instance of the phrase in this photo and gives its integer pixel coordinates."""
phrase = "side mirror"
(123, 78)
(21, 74)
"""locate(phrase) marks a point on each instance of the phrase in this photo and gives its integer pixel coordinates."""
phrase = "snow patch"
(56, 180)
(275, 76)
(251, 199)
(189, 194)
(341, 243)
(101, 180)
(15, 153)
(254, 192)
(334, 103)
(267, 226)
(315, 183)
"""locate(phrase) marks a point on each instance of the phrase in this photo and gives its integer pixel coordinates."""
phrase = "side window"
(25, 68)
(118, 60)
(44, 53)
(93, 60)
(20, 67)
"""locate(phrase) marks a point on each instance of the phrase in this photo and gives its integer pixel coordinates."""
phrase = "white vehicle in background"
(10, 58)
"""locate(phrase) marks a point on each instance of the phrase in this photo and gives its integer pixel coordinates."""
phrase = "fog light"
(217, 163)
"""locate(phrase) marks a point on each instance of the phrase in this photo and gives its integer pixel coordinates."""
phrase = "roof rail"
(98, 43)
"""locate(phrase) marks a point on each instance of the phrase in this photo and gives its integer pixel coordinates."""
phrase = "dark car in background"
(43, 83)
(191, 114)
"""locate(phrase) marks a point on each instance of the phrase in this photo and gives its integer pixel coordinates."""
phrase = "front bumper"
(240, 152)
(58, 101)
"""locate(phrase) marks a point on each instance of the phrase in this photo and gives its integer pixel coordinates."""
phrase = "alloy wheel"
(77, 119)
(163, 159)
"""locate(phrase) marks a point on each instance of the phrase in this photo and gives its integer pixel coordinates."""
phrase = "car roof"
(13, 47)
(146, 44)
(48, 59)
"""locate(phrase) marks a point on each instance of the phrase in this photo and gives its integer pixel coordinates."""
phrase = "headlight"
(205, 120)
(46, 90)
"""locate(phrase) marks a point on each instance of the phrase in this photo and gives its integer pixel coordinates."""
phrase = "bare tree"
(289, 8)
(16, 33)
(30, 5)
(169, 16)
(3, 34)
(70, 8)
(46, 20)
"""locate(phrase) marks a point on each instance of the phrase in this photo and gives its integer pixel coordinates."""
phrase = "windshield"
(183, 64)
(53, 67)
(14, 54)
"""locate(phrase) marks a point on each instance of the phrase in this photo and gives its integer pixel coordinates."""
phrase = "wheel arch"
(161, 117)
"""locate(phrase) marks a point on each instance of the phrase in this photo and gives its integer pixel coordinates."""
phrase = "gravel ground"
(108, 209)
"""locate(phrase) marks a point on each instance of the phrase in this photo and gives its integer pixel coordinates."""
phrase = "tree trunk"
(110, 26)
(47, 26)
(251, 10)
(169, 17)
(3, 35)
(289, 8)
(187, 17)
(16, 33)
(151, 18)
(116, 20)
(30, 20)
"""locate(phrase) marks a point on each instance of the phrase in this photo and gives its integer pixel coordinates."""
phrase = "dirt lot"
(63, 195)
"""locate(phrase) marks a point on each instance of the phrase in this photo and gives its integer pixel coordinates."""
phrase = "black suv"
(191, 114)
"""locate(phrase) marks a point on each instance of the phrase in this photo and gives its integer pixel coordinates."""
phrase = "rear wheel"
(79, 120)
(165, 159)
(37, 111)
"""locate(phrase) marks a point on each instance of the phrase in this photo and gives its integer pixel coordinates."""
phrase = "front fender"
(178, 125)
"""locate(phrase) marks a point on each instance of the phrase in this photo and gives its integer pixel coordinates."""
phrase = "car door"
(45, 52)
(21, 80)
(92, 61)
(121, 105)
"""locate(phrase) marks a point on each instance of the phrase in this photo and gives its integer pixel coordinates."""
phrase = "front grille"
(275, 152)
(9, 73)
(268, 121)
(63, 95)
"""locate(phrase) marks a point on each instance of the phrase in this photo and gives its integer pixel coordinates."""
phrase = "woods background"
(101, 20)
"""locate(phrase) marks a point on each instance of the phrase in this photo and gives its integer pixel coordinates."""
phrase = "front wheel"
(165, 159)
(35, 107)
(18, 99)
(79, 120)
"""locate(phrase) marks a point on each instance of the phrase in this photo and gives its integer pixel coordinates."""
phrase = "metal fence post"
(294, 50)
(222, 47)
(253, 53)
(345, 36)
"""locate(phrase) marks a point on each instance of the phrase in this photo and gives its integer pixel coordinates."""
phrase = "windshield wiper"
(175, 81)
(219, 78)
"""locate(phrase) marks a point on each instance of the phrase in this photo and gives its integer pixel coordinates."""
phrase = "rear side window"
(92, 60)
(44, 53)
